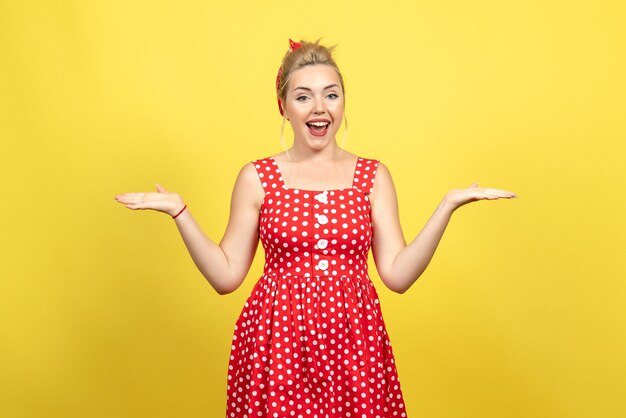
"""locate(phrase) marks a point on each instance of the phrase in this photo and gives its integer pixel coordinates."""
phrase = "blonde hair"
(309, 53)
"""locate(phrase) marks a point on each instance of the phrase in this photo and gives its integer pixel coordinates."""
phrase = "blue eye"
(301, 98)
(334, 96)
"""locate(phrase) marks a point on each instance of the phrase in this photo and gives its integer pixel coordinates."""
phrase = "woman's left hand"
(456, 198)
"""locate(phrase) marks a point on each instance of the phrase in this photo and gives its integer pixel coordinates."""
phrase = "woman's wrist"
(178, 208)
(179, 212)
(447, 205)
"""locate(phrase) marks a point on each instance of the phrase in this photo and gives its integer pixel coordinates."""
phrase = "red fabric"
(294, 45)
(310, 340)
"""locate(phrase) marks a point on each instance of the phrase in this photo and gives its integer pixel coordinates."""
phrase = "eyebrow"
(308, 89)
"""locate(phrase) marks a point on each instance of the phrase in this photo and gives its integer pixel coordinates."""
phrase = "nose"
(318, 106)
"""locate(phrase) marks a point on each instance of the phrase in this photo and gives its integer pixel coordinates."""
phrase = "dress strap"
(269, 174)
(365, 174)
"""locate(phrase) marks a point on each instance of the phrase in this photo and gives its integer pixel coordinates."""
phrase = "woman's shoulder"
(254, 169)
(371, 166)
(382, 184)
(370, 161)
(262, 160)
(249, 174)
(248, 184)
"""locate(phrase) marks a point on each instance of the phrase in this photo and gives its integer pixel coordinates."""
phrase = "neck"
(299, 153)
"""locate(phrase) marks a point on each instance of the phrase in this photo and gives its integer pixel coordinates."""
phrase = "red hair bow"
(292, 47)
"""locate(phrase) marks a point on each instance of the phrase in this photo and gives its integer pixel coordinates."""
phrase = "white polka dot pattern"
(311, 340)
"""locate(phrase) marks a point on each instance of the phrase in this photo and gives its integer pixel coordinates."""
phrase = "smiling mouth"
(318, 128)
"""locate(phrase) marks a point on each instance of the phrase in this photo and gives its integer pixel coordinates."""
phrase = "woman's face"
(314, 104)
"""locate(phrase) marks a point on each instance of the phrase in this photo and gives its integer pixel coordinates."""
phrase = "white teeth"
(318, 123)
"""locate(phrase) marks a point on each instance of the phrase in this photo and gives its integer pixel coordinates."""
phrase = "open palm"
(459, 197)
(161, 200)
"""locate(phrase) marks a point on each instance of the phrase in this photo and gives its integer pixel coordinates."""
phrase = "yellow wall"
(521, 311)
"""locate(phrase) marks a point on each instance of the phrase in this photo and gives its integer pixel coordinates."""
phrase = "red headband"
(292, 47)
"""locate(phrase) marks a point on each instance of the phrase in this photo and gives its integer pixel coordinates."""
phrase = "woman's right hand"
(162, 201)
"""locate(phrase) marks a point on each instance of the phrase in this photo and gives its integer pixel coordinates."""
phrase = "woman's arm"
(226, 265)
(400, 265)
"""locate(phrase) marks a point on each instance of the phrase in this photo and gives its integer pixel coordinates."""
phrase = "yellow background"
(521, 311)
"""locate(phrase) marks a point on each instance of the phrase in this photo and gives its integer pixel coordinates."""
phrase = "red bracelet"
(181, 211)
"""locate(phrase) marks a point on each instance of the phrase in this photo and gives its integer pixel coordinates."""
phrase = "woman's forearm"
(207, 255)
(413, 259)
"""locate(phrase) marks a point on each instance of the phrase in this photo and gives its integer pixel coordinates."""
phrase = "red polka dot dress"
(310, 340)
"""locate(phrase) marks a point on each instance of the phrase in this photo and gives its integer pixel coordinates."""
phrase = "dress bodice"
(312, 232)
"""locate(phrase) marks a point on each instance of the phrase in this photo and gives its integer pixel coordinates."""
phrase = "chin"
(319, 142)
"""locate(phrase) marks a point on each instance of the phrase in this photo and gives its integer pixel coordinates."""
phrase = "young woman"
(310, 340)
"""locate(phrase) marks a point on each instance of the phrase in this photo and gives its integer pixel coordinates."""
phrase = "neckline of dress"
(284, 186)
